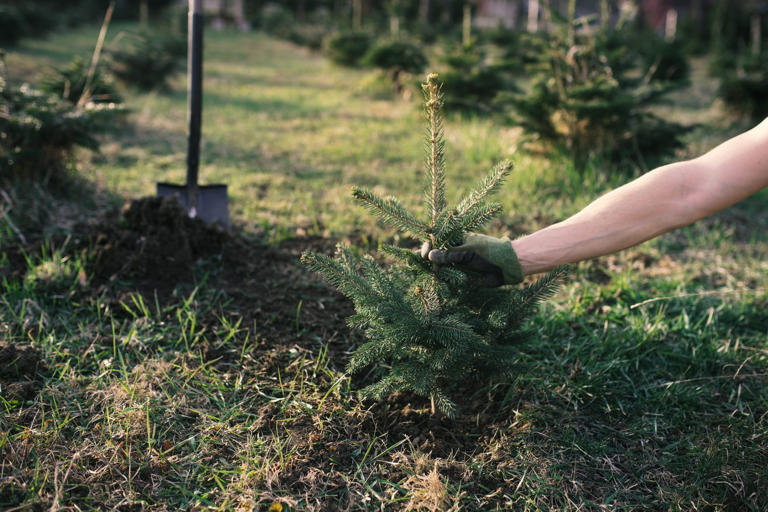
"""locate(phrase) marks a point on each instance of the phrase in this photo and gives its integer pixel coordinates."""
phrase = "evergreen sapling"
(592, 94)
(430, 328)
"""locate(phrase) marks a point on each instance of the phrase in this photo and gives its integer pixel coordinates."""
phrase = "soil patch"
(285, 303)
(19, 371)
(155, 244)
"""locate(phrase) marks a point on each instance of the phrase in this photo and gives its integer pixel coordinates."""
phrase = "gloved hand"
(491, 257)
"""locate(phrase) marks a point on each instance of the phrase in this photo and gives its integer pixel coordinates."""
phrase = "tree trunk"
(424, 11)
(755, 30)
(394, 25)
(718, 25)
(301, 11)
(466, 26)
(239, 15)
(670, 25)
(546, 15)
(533, 15)
(696, 12)
(447, 9)
(144, 13)
(627, 11)
(357, 14)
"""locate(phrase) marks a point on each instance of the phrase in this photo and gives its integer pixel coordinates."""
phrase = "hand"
(491, 257)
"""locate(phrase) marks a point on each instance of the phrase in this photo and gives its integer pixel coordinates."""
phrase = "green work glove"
(491, 257)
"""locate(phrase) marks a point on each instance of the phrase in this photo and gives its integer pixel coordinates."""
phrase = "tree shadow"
(662, 403)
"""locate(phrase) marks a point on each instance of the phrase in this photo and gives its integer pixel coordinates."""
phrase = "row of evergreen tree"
(591, 83)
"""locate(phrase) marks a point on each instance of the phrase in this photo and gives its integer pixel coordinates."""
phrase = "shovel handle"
(194, 97)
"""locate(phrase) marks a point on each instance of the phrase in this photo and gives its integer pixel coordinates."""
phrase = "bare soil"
(19, 371)
(154, 244)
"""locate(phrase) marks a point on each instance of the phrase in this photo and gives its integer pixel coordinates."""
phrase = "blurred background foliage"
(636, 357)
(588, 78)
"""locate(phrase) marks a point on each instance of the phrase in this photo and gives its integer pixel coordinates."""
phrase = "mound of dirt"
(19, 371)
(155, 243)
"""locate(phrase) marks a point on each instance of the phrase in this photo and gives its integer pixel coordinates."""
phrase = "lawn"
(130, 383)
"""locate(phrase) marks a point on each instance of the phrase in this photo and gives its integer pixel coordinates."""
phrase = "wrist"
(526, 257)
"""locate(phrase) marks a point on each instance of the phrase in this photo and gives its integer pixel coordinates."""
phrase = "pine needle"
(392, 212)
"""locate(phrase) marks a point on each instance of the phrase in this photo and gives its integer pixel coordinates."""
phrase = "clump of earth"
(154, 241)
(19, 371)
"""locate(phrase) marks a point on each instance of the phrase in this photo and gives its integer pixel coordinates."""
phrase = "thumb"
(426, 248)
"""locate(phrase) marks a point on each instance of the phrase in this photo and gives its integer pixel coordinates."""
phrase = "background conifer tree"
(592, 92)
(429, 327)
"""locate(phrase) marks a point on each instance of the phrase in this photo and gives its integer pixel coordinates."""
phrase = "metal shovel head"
(212, 202)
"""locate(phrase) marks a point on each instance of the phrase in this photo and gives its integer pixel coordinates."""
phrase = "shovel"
(208, 202)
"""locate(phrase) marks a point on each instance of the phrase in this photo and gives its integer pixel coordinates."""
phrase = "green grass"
(645, 386)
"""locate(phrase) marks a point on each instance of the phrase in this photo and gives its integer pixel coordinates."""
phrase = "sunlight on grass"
(306, 128)
(644, 385)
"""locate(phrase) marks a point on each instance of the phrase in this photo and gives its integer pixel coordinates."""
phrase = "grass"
(644, 387)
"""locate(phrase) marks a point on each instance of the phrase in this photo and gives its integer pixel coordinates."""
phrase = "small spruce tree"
(429, 328)
(744, 86)
(68, 83)
(40, 131)
(470, 82)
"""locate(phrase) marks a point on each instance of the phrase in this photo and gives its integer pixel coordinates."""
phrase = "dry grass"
(644, 387)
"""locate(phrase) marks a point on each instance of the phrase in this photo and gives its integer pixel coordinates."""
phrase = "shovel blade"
(212, 203)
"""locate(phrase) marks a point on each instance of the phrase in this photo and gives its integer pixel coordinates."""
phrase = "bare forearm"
(666, 198)
(622, 218)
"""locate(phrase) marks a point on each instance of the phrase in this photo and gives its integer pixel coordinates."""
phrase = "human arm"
(666, 198)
